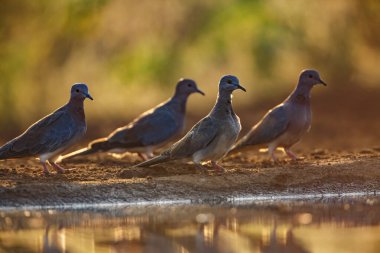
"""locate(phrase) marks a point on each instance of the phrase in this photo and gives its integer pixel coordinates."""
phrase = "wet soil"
(106, 179)
(341, 154)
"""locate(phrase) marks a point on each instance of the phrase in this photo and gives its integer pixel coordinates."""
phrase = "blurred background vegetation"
(131, 53)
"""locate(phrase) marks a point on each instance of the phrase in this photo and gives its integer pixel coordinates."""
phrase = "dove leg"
(143, 156)
(45, 167)
(57, 167)
(150, 154)
(200, 166)
(291, 154)
(217, 166)
(147, 154)
(271, 149)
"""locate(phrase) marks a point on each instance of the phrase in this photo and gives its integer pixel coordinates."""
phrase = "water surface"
(324, 226)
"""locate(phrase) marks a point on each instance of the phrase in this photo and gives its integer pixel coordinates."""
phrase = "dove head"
(230, 83)
(187, 87)
(79, 91)
(310, 78)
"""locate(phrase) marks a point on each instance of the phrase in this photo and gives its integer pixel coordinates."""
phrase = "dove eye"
(77, 90)
(189, 85)
(310, 76)
(229, 81)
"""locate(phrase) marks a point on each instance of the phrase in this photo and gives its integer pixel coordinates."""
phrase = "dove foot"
(45, 169)
(203, 169)
(200, 167)
(274, 157)
(58, 168)
(293, 156)
(217, 167)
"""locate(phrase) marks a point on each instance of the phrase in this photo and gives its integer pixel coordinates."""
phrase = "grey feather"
(45, 136)
(212, 136)
(52, 134)
(271, 126)
(199, 137)
(284, 125)
(153, 128)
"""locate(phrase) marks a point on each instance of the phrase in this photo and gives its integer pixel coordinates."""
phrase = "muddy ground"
(341, 154)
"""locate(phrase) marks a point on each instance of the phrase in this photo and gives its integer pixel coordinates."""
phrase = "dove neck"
(301, 94)
(223, 105)
(178, 102)
(76, 106)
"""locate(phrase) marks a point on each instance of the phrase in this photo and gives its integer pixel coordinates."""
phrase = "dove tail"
(239, 147)
(80, 152)
(94, 146)
(234, 150)
(155, 160)
(5, 152)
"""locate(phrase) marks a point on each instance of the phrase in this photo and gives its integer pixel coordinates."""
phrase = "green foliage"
(46, 44)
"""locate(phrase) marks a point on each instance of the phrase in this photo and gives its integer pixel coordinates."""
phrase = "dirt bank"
(106, 179)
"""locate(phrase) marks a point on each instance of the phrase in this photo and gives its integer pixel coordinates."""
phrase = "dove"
(212, 137)
(53, 134)
(152, 129)
(284, 125)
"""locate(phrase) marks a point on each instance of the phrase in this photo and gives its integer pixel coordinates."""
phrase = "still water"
(323, 226)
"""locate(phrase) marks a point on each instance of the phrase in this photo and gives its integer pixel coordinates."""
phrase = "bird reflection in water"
(275, 244)
(54, 240)
(146, 242)
(199, 230)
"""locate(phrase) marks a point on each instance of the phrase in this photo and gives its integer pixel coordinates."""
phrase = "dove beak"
(87, 95)
(241, 88)
(200, 92)
(322, 82)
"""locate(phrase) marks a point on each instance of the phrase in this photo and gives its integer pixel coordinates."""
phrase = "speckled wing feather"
(151, 128)
(199, 137)
(273, 124)
(47, 135)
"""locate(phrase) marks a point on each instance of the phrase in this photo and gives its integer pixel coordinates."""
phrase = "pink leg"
(200, 167)
(45, 167)
(149, 152)
(291, 154)
(57, 167)
(143, 156)
(217, 167)
(271, 150)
